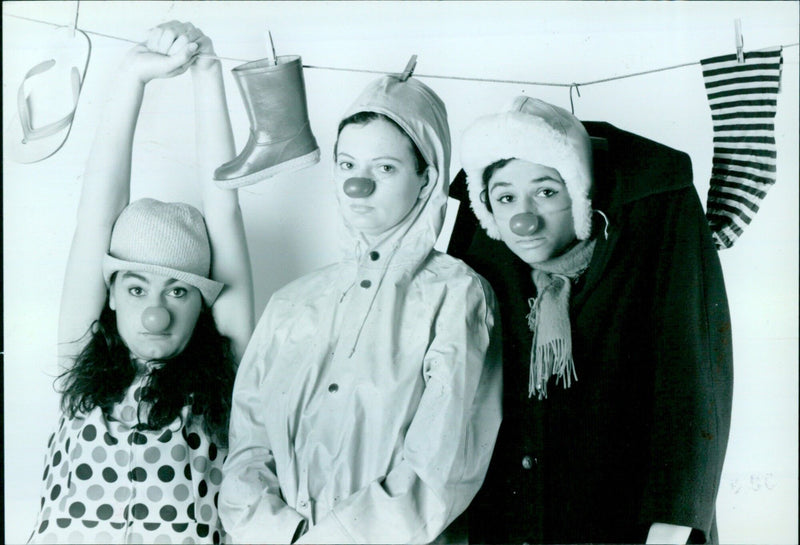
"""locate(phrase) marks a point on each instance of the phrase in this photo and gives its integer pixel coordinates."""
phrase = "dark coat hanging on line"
(641, 436)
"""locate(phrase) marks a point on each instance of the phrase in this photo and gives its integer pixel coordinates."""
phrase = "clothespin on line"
(271, 50)
(409, 69)
(737, 25)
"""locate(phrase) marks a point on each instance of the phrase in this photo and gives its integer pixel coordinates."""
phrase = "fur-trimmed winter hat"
(163, 238)
(535, 131)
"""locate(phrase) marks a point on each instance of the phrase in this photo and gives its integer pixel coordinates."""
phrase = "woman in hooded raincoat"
(367, 404)
(614, 309)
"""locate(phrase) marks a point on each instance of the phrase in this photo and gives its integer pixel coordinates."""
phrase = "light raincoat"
(368, 401)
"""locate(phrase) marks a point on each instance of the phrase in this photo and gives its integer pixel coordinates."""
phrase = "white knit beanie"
(535, 131)
(163, 238)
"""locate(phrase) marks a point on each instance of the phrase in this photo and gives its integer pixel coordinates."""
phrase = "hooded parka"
(368, 401)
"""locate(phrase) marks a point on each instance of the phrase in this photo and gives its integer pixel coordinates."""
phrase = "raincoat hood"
(532, 130)
(422, 115)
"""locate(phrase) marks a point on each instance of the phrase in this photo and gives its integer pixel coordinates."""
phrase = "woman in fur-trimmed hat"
(617, 348)
(150, 329)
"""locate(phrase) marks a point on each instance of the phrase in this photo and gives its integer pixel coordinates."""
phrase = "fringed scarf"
(551, 350)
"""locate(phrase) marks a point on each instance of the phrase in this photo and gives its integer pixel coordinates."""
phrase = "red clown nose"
(155, 319)
(523, 224)
(359, 188)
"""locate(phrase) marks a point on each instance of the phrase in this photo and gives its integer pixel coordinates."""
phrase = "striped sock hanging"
(743, 99)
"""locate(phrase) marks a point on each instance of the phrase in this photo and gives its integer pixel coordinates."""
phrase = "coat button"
(527, 462)
(365, 283)
(333, 388)
(374, 256)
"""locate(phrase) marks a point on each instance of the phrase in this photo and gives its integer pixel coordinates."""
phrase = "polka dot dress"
(107, 482)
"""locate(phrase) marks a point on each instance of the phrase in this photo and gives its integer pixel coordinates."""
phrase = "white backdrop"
(291, 220)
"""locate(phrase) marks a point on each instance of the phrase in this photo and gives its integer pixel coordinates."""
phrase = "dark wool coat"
(641, 436)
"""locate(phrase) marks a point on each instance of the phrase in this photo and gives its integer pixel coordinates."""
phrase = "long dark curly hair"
(201, 376)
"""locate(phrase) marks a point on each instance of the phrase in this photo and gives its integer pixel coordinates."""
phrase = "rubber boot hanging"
(280, 138)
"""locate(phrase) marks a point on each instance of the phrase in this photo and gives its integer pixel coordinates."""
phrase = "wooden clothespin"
(274, 58)
(737, 24)
(409, 69)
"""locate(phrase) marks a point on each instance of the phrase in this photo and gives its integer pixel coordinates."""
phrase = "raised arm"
(106, 190)
(230, 260)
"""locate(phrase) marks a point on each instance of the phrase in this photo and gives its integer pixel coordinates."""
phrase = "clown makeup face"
(155, 314)
(533, 210)
(376, 176)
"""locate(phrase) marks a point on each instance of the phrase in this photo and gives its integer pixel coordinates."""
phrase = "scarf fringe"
(552, 359)
(548, 319)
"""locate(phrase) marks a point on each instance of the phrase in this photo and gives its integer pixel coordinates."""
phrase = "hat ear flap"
(582, 217)
(479, 205)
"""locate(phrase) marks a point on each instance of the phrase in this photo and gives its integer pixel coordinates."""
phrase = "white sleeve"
(251, 507)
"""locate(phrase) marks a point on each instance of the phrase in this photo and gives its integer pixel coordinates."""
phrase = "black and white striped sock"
(743, 99)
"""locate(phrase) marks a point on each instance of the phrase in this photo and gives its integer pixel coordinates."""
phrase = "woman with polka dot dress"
(150, 328)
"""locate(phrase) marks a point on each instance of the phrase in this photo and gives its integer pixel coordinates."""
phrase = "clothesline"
(575, 85)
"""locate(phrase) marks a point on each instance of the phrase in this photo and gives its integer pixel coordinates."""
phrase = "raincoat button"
(303, 503)
(374, 256)
(365, 283)
(527, 462)
(333, 388)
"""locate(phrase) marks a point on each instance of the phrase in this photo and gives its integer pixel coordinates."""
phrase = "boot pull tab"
(409, 69)
(274, 58)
